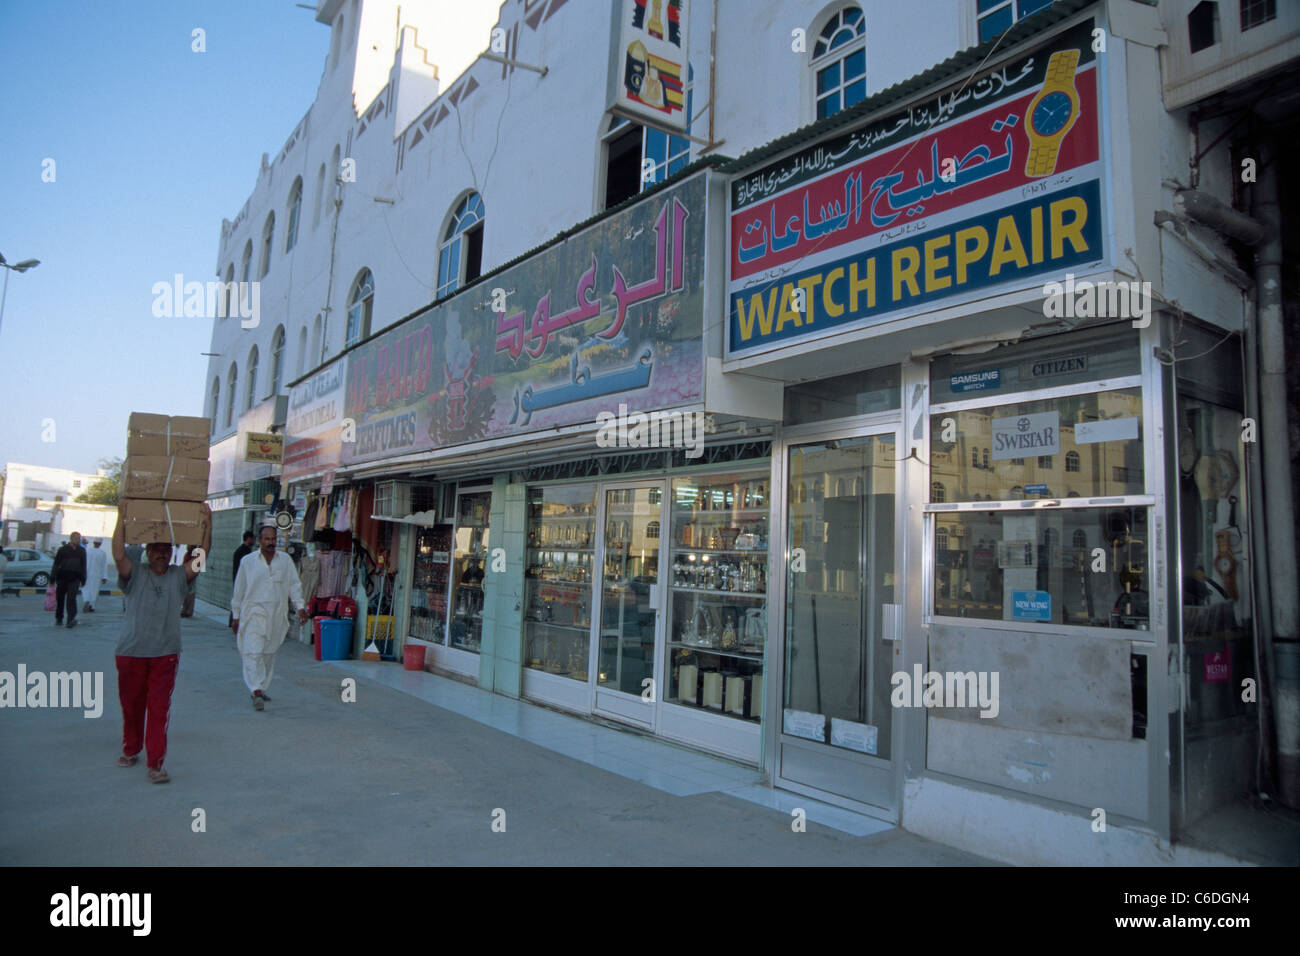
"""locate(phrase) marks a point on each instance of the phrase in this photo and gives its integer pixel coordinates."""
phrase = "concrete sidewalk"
(389, 779)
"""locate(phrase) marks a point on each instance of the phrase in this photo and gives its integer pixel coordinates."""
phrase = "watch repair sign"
(985, 188)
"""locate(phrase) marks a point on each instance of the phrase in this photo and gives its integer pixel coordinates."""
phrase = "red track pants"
(144, 686)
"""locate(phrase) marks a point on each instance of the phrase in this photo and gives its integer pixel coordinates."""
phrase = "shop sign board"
(264, 446)
(1026, 436)
(976, 381)
(1218, 667)
(1111, 429)
(648, 63)
(611, 316)
(314, 423)
(1031, 606)
(989, 187)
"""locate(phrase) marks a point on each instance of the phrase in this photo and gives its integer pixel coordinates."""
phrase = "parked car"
(27, 568)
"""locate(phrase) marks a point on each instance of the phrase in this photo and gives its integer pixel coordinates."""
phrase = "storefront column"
(502, 642)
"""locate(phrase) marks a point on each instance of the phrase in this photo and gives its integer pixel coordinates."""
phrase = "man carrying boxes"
(163, 504)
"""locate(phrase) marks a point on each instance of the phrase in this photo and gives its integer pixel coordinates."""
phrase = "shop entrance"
(835, 730)
(630, 634)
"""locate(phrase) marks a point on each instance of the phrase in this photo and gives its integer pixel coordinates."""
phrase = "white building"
(869, 216)
(32, 491)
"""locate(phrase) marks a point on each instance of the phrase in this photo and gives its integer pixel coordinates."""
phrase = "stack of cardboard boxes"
(165, 478)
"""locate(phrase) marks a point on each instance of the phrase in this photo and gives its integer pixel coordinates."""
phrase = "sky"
(153, 144)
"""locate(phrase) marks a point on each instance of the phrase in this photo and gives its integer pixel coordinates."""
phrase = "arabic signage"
(1026, 436)
(977, 191)
(613, 315)
(263, 446)
(648, 68)
(314, 423)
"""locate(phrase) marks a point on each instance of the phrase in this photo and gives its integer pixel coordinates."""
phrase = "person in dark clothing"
(241, 552)
(69, 578)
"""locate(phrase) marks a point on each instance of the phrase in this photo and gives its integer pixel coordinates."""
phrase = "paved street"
(389, 779)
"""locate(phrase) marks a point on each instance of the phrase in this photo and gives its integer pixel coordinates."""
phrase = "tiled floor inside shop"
(655, 763)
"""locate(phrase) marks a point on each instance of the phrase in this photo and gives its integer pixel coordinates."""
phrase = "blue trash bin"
(336, 640)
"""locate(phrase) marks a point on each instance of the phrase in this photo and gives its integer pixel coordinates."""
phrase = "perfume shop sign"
(313, 429)
(980, 190)
(610, 316)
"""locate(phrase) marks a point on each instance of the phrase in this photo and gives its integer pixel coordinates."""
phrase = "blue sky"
(153, 144)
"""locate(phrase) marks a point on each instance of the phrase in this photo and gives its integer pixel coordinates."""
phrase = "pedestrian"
(148, 652)
(69, 572)
(96, 569)
(265, 586)
(248, 547)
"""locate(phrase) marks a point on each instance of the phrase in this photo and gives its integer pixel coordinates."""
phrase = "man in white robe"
(266, 583)
(96, 576)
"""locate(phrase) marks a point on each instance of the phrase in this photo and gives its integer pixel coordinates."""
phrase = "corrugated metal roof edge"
(900, 92)
(716, 161)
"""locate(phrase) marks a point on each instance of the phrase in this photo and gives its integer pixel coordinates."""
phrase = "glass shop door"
(630, 636)
(835, 726)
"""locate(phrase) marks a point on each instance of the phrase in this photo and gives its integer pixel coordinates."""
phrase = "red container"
(413, 657)
(315, 633)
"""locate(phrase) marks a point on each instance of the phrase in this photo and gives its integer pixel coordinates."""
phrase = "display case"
(558, 579)
(469, 567)
(429, 583)
(718, 571)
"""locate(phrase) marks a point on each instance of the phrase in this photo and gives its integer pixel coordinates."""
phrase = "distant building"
(32, 494)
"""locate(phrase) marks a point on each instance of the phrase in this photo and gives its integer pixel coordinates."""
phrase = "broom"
(371, 653)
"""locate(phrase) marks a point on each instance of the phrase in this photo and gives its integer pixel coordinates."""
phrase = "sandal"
(158, 776)
(257, 702)
(125, 761)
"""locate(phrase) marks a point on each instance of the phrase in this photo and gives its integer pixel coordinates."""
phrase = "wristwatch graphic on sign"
(1052, 112)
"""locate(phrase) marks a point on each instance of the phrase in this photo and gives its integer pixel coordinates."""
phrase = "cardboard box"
(149, 520)
(176, 479)
(177, 436)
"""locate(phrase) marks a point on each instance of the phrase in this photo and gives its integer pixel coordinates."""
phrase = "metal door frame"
(775, 741)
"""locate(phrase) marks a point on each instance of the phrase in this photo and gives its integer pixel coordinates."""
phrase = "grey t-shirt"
(152, 625)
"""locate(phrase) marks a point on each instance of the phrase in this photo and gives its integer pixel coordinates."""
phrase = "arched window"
(652, 529)
(319, 196)
(232, 381)
(986, 458)
(230, 293)
(1017, 491)
(938, 494)
(1080, 539)
(247, 267)
(268, 234)
(331, 179)
(839, 62)
(941, 540)
(295, 210)
(314, 356)
(997, 16)
(302, 350)
(1071, 461)
(277, 359)
(461, 257)
(361, 300)
(250, 395)
(974, 457)
(214, 406)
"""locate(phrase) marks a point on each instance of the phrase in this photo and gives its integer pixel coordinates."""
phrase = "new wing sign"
(978, 190)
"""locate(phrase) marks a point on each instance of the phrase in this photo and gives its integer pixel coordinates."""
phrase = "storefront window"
(429, 583)
(1015, 566)
(561, 545)
(859, 393)
(1071, 446)
(718, 617)
(469, 567)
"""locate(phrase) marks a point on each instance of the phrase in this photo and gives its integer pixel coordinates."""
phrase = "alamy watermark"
(946, 689)
(82, 691)
(75, 908)
(653, 430)
(211, 300)
(1089, 300)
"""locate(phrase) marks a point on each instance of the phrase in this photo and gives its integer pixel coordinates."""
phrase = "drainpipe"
(1275, 448)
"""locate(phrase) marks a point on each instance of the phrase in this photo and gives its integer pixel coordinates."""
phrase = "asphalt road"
(389, 779)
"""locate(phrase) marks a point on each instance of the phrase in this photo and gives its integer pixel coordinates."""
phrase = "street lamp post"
(16, 267)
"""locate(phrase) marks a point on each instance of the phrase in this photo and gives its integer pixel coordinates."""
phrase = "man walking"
(69, 572)
(96, 566)
(264, 586)
(148, 652)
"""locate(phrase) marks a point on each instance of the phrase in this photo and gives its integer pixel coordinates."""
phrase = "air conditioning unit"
(392, 499)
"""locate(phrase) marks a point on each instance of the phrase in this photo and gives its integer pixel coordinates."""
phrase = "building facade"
(879, 413)
(33, 499)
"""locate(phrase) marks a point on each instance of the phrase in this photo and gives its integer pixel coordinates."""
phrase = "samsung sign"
(1024, 436)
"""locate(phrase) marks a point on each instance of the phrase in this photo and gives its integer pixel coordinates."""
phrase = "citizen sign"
(1026, 435)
